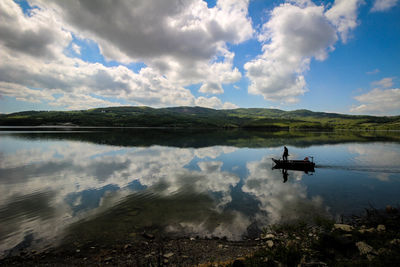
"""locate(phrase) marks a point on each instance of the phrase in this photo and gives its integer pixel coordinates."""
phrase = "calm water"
(103, 184)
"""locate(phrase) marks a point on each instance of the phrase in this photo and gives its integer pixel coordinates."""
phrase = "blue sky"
(333, 56)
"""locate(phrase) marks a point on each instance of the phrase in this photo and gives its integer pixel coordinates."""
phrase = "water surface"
(107, 184)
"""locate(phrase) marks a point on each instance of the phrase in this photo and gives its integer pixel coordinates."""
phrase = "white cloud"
(297, 32)
(40, 34)
(293, 36)
(384, 83)
(383, 5)
(213, 102)
(76, 48)
(343, 14)
(182, 40)
(378, 101)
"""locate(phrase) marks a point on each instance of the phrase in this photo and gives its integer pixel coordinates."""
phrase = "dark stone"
(238, 263)
(148, 235)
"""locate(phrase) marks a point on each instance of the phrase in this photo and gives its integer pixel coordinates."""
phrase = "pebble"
(220, 246)
(108, 259)
(369, 230)
(395, 242)
(148, 236)
(269, 236)
(343, 227)
(270, 243)
(168, 255)
(364, 248)
(381, 228)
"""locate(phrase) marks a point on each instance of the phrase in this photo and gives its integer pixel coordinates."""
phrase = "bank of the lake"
(369, 240)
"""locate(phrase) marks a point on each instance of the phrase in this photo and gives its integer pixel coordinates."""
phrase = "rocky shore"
(369, 240)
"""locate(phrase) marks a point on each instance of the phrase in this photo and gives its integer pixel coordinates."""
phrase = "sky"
(338, 56)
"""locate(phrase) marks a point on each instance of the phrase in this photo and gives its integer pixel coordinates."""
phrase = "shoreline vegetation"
(198, 117)
(372, 239)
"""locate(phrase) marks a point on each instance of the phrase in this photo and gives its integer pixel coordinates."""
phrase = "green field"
(197, 117)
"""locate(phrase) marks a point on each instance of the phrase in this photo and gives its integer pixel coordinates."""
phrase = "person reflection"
(285, 175)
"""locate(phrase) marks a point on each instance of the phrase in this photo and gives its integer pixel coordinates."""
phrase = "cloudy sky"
(334, 56)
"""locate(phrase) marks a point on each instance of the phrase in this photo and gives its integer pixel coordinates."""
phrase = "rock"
(343, 227)
(168, 255)
(381, 228)
(364, 248)
(382, 251)
(78, 250)
(148, 235)
(395, 242)
(192, 239)
(270, 243)
(269, 236)
(370, 257)
(238, 263)
(220, 246)
(369, 230)
(108, 259)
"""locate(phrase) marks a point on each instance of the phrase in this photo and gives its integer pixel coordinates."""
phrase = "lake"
(104, 184)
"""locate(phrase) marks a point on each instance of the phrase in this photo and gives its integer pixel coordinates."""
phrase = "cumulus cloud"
(378, 101)
(40, 34)
(180, 39)
(293, 36)
(343, 14)
(214, 102)
(383, 5)
(180, 42)
(297, 32)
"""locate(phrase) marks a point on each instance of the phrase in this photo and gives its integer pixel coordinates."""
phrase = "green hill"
(198, 117)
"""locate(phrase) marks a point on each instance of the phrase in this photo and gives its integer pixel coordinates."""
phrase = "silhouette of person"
(285, 153)
(285, 175)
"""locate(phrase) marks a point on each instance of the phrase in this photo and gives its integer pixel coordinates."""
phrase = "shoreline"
(372, 239)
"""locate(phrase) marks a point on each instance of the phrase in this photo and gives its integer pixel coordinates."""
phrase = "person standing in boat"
(285, 153)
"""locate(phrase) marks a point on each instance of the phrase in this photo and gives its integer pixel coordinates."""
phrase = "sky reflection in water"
(53, 185)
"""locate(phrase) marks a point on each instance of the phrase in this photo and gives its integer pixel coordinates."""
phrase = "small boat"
(298, 165)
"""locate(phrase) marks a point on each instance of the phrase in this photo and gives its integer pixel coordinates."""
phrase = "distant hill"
(198, 117)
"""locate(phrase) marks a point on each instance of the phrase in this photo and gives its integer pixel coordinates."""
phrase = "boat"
(297, 165)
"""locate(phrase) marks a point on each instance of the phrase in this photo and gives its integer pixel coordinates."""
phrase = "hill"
(198, 117)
